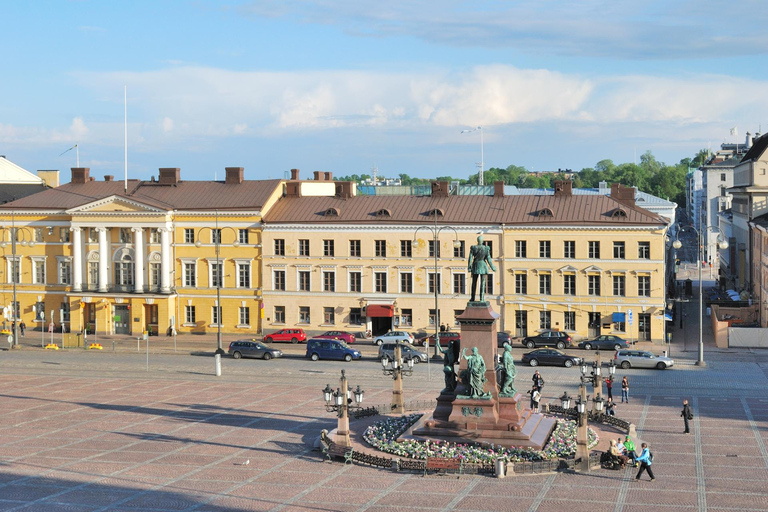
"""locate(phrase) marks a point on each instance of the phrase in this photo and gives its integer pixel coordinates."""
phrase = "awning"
(618, 317)
(668, 317)
(380, 310)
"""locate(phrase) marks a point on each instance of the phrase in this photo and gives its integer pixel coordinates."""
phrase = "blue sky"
(346, 85)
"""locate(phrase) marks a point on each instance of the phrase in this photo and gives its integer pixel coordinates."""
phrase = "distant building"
(16, 182)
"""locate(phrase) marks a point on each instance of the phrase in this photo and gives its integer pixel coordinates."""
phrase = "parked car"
(641, 359)
(550, 356)
(292, 335)
(407, 352)
(445, 338)
(344, 336)
(502, 338)
(559, 339)
(605, 341)
(320, 348)
(393, 336)
(252, 348)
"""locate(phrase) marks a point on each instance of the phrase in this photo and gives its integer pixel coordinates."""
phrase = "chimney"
(169, 175)
(317, 176)
(622, 194)
(234, 175)
(50, 178)
(295, 175)
(109, 177)
(80, 174)
(293, 189)
(344, 189)
(328, 176)
(748, 142)
(564, 188)
(498, 189)
(440, 189)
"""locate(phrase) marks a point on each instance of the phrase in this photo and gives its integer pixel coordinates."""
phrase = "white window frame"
(62, 261)
(274, 279)
(184, 263)
(38, 262)
(240, 263)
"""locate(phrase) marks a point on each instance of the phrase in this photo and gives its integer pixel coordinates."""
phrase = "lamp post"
(582, 438)
(395, 368)
(677, 244)
(340, 401)
(219, 277)
(16, 272)
(436, 249)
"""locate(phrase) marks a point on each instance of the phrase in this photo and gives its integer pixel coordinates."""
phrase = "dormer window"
(435, 212)
(384, 212)
(619, 213)
(545, 212)
(332, 212)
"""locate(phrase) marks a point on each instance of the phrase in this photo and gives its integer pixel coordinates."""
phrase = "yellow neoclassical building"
(133, 256)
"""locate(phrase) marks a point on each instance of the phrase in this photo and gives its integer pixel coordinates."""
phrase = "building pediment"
(115, 204)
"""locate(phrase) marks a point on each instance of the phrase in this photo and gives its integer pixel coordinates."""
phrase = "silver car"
(393, 336)
(407, 352)
(641, 359)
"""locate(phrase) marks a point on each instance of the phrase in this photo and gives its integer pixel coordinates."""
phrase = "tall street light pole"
(15, 274)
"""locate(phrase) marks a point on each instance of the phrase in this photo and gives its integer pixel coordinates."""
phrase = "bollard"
(113, 345)
(217, 359)
(500, 463)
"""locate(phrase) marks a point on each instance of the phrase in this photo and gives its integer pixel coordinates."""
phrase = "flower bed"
(383, 436)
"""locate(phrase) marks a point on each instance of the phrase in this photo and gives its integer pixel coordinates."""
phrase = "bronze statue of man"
(479, 262)
(509, 371)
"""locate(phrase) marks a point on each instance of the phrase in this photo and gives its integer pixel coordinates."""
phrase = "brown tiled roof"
(185, 195)
(460, 210)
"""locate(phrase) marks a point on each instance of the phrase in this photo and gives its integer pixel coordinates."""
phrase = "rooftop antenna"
(481, 165)
(125, 114)
(77, 151)
(375, 173)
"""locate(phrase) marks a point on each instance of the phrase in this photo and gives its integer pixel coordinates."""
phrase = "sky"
(349, 85)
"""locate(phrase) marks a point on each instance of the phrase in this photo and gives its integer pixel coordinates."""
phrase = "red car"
(292, 335)
(344, 336)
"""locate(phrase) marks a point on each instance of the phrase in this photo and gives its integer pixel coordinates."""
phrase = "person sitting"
(609, 405)
(614, 451)
(629, 450)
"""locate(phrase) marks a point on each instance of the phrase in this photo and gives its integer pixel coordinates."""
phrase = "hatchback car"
(445, 338)
(550, 356)
(642, 359)
(249, 348)
(502, 338)
(346, 337)
(330, 349)
(407, 352)
(557, 339)
(393, 336)
(605, 341)
(292, 335)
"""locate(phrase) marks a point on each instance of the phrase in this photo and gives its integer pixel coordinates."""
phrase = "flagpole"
(77, 151)
(125, 113)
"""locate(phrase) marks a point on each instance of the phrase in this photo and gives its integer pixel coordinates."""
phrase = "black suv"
(557, 339)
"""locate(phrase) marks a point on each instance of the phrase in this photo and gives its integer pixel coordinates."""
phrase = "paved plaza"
(92, 431)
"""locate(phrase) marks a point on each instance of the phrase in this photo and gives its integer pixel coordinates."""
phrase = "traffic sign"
(630, 316)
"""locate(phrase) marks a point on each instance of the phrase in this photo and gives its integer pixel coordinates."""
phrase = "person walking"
(609, 386)
(645, 459)
(687, 415)
(624, 389)
(535, 398)
(538, 382)
(22, 327)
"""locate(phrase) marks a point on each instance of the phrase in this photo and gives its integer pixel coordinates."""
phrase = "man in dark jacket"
(687, 415)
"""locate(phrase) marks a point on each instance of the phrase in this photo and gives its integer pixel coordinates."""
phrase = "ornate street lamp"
(340, 401)
(395, 368)
(16, 270)
(565, 402)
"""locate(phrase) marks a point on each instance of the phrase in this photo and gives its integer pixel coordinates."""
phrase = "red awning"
(379, 310)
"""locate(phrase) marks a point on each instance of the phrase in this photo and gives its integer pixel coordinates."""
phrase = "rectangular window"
(545, 249)
(154, 275)
(569, 249)
(356, 282)
(521, 284)
(355, 316)
(593, 285)
(434, 246)
(380, 248)
(303, 314)
(620, 327)
(489, 285)
(521, 249)
(644, 250)
(489, 245)
(216, 315)
(329, 281)
(216, 236)
(328, 248)
(279, 247)
(381, 282)
(722, 177)
(65, 272)
(303, 247)
(245, 315)
(545, 284)
(217, 274)
(39, 271)
(619, 286)
(406, 249)
(594, 250)
(434, 278)
(189, 315)
(93, 235)
(279, 314)
(189, 236)
(460, 283)
(432, 318)
(124, 273)
(38, 235)
(618, 250)
(304, 283)
(124, 235)
(329, 316)
(189, 275)
(644, 286)
(278, 280)
(545, 319)
(242, 237)
(243, 275)
(406, 317)
(64, 235)
(354, 248)
(569, 284)
(406, 282)
(569, 320)
(458, 252)
(93, 273)
(64, 312)
(154, 236)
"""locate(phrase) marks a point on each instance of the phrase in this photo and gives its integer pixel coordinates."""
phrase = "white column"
(138, 245)
(77, 260)
(165, 260)
(103, 260)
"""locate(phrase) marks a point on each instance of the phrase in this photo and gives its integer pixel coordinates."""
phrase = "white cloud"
(240, 128)
(77, 129)
(167, 124)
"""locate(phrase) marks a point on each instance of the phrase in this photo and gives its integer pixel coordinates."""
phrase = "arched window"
(619, 213)
(124, 268)
(384, 212)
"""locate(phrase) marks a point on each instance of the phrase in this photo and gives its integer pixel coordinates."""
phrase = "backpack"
(650, 456)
